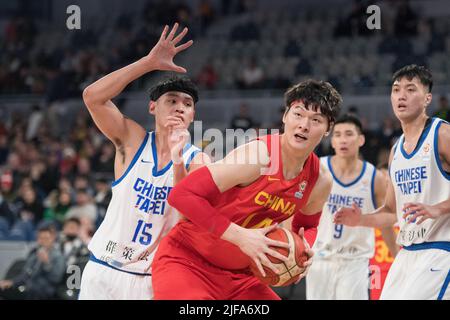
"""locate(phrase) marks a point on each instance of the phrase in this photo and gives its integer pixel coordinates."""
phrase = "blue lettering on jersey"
(335, 201)
(409, 180)
(151, 199)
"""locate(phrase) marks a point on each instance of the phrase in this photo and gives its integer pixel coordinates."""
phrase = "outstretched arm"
(385, 216)
(125, 133)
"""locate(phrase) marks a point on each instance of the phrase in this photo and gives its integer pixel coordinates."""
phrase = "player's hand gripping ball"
(289, 271)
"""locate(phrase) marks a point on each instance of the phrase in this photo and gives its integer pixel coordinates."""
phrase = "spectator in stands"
(28, 205)
(103, 161)
(103, 196)
(443, 111)
(6, 212)
(405, 20)
(43, 270)
(207, 77)
(252, 76)
(84, 207)
(4, 148)
(59, 204)
(75, 253)
(242, 120)
(34, 122)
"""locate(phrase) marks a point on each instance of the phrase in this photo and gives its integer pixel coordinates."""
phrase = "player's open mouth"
(300, 137)
(344, 149)
(401, 106)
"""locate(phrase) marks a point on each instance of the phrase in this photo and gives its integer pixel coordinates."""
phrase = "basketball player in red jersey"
(230, 205)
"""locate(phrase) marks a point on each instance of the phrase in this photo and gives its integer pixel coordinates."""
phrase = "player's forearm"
(378, 220)
(179, 172)
(114, 83)
(192, 196)
(443, 207)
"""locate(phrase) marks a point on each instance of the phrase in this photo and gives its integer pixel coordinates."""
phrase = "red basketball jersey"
(268, 200)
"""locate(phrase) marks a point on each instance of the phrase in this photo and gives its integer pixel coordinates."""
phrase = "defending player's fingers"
(180, 36)
(178, 69)
(172, 32)
(184, 46)
(409, 209)
(309, 251)
(164, 33)
(422, 219)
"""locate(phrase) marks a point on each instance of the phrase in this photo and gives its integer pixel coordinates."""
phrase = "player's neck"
(162, 148)
(292, 162)
(412, 129)
(346, 166)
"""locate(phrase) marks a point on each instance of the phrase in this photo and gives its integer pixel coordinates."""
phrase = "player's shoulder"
(325, 178)
(444, 131)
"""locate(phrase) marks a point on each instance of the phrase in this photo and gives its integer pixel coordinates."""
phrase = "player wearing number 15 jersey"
(147, 166)
(341, 263)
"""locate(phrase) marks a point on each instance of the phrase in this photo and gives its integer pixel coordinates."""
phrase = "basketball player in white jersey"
(418, 195)
(341, 262)
(147, 165)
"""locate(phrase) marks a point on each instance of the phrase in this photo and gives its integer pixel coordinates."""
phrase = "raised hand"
(162, 54)
(178, 137)
(348, 216)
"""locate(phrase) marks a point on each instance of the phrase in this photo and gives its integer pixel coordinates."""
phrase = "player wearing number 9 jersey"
(341, 263)
(147, 166)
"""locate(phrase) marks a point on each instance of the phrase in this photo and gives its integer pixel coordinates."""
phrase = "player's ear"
(285, 115)
(151, 107)
(428, 99)
(362, 139)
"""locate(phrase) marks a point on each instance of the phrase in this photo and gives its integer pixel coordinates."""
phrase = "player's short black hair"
(348, 118)
(413, 70)
(317, 95)
(174, 83)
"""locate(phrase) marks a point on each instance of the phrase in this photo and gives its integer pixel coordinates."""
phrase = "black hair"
(348, 118)
(413, 70)
(74, 220)
(47, 227)
(317, 95)
(174, 83)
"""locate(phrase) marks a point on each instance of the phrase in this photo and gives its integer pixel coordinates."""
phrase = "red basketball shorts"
(179, 273)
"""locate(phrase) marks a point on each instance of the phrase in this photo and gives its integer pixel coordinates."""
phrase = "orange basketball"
(289, 271)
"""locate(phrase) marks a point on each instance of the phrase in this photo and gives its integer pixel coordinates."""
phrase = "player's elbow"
(89, 97)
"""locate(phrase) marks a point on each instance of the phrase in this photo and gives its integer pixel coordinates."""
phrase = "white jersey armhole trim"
(135, 158)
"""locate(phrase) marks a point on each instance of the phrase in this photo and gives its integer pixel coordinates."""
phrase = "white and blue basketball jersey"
(419, 177)
(138, 215)
(339, 241)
